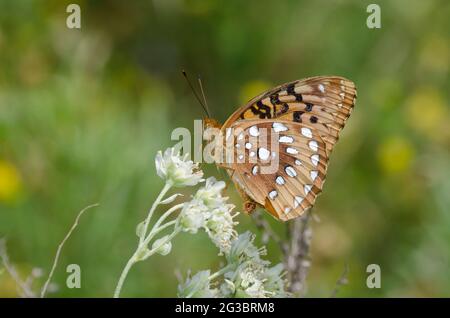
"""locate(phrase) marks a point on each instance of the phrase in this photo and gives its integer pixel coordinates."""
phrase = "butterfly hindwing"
(285, 180)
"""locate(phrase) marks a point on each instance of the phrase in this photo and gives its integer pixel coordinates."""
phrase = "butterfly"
(306, 117)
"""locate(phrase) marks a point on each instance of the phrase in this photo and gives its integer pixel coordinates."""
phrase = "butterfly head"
(211, 123)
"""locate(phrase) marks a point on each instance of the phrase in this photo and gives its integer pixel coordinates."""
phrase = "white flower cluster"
(251, 276)
(176, 170)
(245, 275)
(198, 286)
(208, 210)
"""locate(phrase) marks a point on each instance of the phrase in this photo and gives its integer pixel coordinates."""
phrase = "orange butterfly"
(305, 117)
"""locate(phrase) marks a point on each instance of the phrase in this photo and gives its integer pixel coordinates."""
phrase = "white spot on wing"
(321, 88)
(255, 170)
(273, 194)
(286, 139)
(306, 132)
(298, 162)
(263, 153)
(287, 210)
(307, 188)
(240, 136)
(253, 131)
(315, 159)
(314, 174)
(279, 127)
(252, 153)
(297, 201)
(290, 171)
(280, 180)
(313, 145)
(292, 151)
(248, 145)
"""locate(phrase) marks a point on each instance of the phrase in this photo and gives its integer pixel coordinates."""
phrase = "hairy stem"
(124, 275)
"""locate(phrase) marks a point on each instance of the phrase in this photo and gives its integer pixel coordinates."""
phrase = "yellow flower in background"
(395, 155)
(252, 89)
(427, 113)
(10, 182)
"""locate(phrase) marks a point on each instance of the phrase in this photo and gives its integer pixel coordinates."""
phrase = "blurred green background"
(83, 113)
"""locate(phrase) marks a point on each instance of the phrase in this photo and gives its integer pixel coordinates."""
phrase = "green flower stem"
(143, 240)
(163, 192)
(136, 255)
(221, 272)
(164, 216)
(124, 274)
(164, 226)
(168, 239)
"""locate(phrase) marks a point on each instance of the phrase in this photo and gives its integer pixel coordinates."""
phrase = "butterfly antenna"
(193, 90)
(203, 95)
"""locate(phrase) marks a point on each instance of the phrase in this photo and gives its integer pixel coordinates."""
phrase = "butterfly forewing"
(325, 102)
(305, 117)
